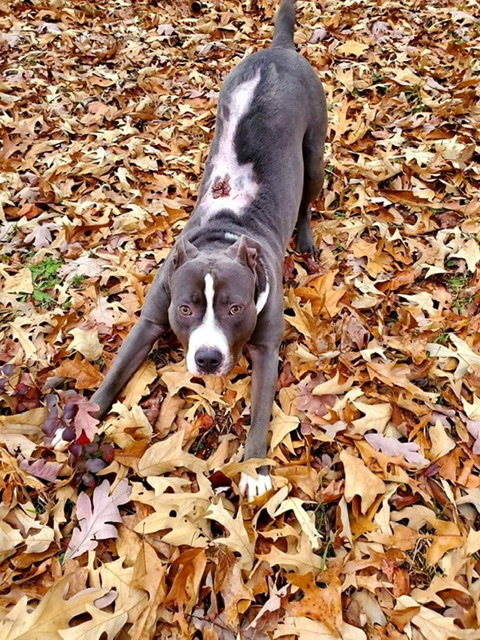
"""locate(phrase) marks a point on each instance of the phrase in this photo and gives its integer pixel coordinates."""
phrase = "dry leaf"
(96, 518)
(360, 481)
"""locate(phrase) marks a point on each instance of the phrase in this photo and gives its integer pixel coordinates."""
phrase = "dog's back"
(270, 105)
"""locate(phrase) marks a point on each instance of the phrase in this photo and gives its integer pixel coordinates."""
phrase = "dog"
(220, 288)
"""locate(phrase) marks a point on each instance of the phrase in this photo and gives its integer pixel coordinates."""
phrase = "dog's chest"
(230, 184)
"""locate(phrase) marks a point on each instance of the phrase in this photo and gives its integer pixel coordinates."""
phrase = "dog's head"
(215, 299)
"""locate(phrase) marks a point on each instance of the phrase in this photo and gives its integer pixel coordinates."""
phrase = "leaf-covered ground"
(373, 528)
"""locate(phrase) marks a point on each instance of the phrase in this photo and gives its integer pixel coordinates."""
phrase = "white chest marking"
(232, 185)
(262, 298)
(208, 334)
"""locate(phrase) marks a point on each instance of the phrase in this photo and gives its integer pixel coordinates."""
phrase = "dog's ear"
(246, 251)
(184, 250)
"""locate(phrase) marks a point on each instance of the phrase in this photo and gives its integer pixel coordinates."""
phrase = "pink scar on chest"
(221, 187)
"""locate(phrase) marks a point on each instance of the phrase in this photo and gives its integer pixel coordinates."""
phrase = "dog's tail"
(284, 25)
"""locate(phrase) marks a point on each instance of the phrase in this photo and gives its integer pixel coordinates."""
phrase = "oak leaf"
(352, 47)
(102, 626)
(237, 538)
(360, 481)
(86, 342)
(302, 560)
(319, 603)
(168, 455)
(393, 447)
(434, 625)
(49, 617)
(84, 422)
(306, 629)
(96, 518)
(44, 469)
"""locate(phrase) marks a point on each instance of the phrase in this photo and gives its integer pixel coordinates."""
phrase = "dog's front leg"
(131, 355)
(152, 324)
(264, 378)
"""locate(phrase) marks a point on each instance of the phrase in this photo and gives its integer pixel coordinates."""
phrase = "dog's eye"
(235, 309)
(185, 310)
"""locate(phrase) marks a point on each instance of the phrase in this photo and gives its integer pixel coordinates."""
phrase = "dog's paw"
(307, 247)
(58, 443)
(250, 487)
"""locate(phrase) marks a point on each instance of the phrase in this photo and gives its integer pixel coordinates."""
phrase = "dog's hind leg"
(312, 151)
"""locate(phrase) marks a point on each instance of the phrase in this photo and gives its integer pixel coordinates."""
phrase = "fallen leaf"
(393, 447)
(360, 481)
(96, 518)
(237, 538)
(87, 343)
(168, 455)
(352, 47)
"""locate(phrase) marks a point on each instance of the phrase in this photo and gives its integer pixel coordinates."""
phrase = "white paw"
(250, 487)
(58, 443)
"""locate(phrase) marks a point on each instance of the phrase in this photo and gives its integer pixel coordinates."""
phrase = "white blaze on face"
(242, 185)
(208, 335)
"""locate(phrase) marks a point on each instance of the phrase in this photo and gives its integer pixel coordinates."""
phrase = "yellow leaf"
(473, 542)
(302, 560)
(39, 541)
(51, 615)
(472, 409)
(250, 467)
(333, 386)
(303, 319)
(86, 342)
(168, 455)
(26, 423)
(29, 349)
(322, 294)
(376, 417)
(181, 530)
(237, 539)
(182, 379)
(281, 425)
(465, 354)
(402, 76)
(149, 574)
(180, 514)
(441, 442)
(102, 622)
(397, 375)
(236, 594)
(137, 387)
(114, 575)
(128, 426)
(9, 539)
(470, 252)
(305, 521)
(20, 282)
(352, 47)
(360, 481)
(306, 629)
(434, 625)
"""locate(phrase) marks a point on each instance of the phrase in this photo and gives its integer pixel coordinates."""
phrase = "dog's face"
(213, 310)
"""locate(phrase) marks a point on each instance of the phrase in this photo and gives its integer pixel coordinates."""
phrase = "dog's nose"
(208, 360)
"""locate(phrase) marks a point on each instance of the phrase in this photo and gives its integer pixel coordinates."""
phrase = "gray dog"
(220, 288)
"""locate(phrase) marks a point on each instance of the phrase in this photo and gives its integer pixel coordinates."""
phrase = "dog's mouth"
(220, 372)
